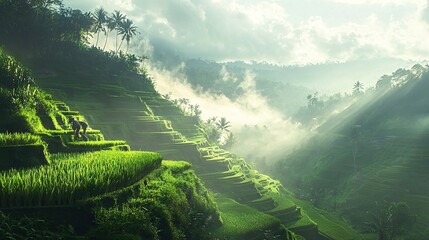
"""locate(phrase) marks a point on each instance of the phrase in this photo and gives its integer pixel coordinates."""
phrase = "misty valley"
(214, 120)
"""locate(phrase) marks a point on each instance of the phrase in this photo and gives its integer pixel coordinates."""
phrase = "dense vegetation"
(129, 195)
(170, 203)
(371, 152)
(47, 36)
(51, 38)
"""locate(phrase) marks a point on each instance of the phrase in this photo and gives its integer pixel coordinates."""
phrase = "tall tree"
(100, 17)
(313, 100)
(229, 141)
(358, 87)
(128, 30)
(212, 120)
(117, 17)
(197, 110)
(391, 220)
(109, 27)
(223, 124)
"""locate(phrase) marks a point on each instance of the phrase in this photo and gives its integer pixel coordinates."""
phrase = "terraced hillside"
(149, 122)
(51, 178)
(55, 185)
(391, 161)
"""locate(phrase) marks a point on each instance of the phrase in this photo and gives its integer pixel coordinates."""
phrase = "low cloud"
(262, 132)
(284, 32)
(425, 12)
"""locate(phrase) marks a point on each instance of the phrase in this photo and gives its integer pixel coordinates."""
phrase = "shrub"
(29, 228)
(172, 199)
(116, 222)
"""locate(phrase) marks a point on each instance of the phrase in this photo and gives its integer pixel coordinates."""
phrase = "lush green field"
(73, 177)
(243, 222)
(84, 146)
(329, 225)
(10, 139)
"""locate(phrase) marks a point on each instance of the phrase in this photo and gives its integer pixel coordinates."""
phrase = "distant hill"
(375, 150)
(284, 87)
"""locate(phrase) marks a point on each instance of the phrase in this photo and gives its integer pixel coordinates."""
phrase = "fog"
(326, 45)
(261, 131)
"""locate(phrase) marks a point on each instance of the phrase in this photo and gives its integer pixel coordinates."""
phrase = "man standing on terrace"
(76, 125)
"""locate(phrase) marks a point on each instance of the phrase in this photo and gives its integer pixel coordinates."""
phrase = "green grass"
(282, 202)
(88, 146)
(243, 222)
(14, 139)
(328, 224)
(70, 131)
(100, 144)
(176, 166)
(73, 177)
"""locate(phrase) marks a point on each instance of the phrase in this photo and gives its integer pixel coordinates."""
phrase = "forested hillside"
(374, 151)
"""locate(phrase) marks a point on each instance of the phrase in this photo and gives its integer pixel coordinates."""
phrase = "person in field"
(76, 126)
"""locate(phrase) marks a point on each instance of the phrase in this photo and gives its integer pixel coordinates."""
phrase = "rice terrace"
(217, 120)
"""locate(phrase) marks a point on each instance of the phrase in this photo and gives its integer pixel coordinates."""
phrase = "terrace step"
(215, 166)
(22, 156)
(288, 215)
(61, 106)
(90, 146)
(309, 231)
(237, 178)
(219, 174)
(263, 204)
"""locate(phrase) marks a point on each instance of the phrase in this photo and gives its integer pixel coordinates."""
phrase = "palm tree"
(391, 220)
(229, 141)
(313, 99)
(100, 17)
(358, 87)
(117, 17)
(167, 96)
(109, 27)
(223, 124)
(128, 30)
(211, 120)
(197, 110)
(191, 109)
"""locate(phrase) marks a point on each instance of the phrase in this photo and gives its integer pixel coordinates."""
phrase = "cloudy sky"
(374, 36)
(280, 31)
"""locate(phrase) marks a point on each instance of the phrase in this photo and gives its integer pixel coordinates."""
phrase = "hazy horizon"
(381, 36)
(327, 44)
(283, 32)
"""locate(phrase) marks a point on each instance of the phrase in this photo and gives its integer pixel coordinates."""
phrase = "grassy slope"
(135, 116)
(82, 171)
(243, 222)
(391, 156)
(64, 186)
(70, 178)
